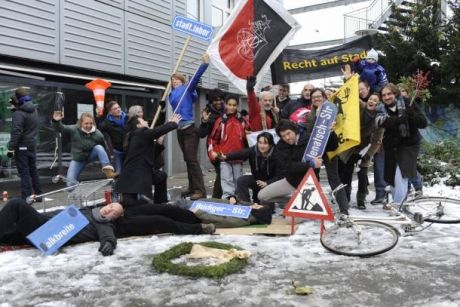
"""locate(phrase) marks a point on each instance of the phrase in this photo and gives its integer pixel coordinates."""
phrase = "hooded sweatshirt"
(24, 125)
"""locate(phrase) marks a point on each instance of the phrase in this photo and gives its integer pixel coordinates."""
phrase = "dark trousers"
(243, 185)
(217, 189)
(188, 141)
(379, 169)
(27, 170)
(18, 220)
(149, 219)
(346, 171)
(332, 171)
(159, 180)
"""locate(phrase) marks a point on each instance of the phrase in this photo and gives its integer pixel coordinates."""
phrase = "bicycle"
(365, 236)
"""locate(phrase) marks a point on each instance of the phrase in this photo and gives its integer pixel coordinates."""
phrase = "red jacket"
(228, 135)
(255, 116)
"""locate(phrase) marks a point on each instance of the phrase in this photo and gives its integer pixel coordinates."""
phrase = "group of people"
(386, 118)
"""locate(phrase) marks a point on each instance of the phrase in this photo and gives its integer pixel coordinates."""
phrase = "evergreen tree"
(423, 40)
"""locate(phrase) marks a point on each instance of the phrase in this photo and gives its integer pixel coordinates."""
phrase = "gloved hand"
(250, 83)
(106, 248)
(162, 104)
(10, 154)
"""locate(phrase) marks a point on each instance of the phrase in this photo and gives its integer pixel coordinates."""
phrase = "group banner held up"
(251, 39)
(347, 125)
(299, 65)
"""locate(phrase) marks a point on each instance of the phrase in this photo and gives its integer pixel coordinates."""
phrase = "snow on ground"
(423, 270)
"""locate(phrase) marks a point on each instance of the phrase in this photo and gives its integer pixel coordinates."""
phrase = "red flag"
(251, 39)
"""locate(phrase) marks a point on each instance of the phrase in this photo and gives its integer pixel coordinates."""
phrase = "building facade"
(59, 45)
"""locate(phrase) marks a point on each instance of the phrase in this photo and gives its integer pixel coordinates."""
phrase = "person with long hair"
(87, 145)
(401, 142)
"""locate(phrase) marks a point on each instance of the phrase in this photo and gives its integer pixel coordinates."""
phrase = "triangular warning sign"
(308, 200)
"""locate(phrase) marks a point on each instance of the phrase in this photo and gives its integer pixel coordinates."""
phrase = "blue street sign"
(222, 209)
(57, 231)
(192, 27)
(321, 131)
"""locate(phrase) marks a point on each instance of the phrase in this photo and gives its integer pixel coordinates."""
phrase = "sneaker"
(109, 171)
(208, 228)
(361, 205)
(387, 207)
(197, 195)
(418, 193)
(378, 200)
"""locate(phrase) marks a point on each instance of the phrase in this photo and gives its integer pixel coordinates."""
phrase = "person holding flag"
(182, 97)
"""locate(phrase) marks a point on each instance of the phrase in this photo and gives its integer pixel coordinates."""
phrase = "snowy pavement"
(422, 270)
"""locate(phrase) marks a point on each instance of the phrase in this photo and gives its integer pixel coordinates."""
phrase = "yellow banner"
(347, 126)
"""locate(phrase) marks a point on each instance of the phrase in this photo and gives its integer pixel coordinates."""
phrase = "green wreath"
(162, 262)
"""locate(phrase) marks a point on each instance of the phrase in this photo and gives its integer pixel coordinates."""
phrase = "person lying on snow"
(260, 214)
(18, 219)
(107, 223)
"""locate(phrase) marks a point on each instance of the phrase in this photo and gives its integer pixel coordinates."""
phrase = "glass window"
(193, 9)
(221, 9)
(148, 104)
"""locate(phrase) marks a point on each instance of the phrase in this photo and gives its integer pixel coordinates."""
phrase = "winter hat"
(372, 55)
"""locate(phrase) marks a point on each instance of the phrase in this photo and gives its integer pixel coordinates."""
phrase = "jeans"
(399, 191)
(76, 167)
(379, 167)
(229, 173)
(416, 182)
(27, 170)
(118, 161)
(279, 191)
(188, 141)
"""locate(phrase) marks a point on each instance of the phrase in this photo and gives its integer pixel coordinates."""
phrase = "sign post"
(59, 230)
(190, 27)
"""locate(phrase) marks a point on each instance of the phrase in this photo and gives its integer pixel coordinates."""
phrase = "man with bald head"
(303, 102)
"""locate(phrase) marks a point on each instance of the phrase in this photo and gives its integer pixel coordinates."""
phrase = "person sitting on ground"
(262, 114)
(263, 168)
(87, 145)
(136, 177)
(213, 110)
(113, 128)
(289, 154)
(18, 219)
(228, 135)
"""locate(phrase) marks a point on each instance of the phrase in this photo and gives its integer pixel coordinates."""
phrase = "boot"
(197, 195)
(361, 200)
(109, 171)
(361, 205)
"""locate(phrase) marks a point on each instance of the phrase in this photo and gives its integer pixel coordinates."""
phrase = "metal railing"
(370, 17)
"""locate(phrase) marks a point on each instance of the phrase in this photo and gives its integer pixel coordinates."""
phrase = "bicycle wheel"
(435, 209)
(360, 238)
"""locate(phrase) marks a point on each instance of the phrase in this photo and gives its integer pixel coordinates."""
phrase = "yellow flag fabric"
(347, 126)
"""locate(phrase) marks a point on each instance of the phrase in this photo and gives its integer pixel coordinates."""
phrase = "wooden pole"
(168, 87)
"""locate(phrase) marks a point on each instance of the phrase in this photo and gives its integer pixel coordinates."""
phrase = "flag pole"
(168, 87)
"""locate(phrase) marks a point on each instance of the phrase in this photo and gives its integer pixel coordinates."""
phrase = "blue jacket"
(186, 106)
(373, 73)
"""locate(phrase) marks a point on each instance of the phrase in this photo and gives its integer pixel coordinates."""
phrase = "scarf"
(400, 111)
(118, 121)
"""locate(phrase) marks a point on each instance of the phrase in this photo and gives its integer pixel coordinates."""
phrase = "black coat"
(399, 150)
(205, 128)
(136, 174)
(94, 231)
(289, 158)
(262, 168)
(24, 125)
(113, 133)
(293, 105)
(282, 104)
